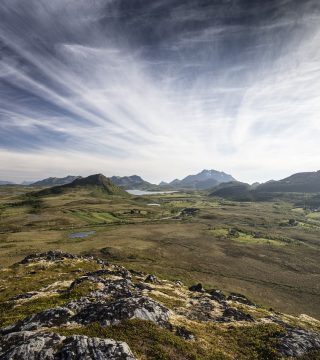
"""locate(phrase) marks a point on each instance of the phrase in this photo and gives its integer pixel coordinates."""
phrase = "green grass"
(19, 279)
(96, 217)
(255, 342)
(148, 341)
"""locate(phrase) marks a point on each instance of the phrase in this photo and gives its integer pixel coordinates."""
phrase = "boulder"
(138, 307)
(51, 255)
(50, 346)
(298, 342)
(184, 333)
(240, 299)
(217, 295)
(151, 279)
(53, 317)
(232, 314)
(197, 288)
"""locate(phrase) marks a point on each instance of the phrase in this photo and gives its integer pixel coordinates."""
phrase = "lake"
(144, 192)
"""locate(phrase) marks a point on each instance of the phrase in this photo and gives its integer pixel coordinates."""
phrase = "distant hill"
(304, 182)
(132, 182)
(290, 188)
(234, 190)
(206, 179)
(54, 181)
(26, 182)
(93, 181)
(3, 182)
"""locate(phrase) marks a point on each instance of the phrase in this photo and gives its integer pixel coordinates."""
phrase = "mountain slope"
(3, 182)
(308, 182)
(97, 181)
(206, 179)
(54, 181)
(132, 182)
(233, 190)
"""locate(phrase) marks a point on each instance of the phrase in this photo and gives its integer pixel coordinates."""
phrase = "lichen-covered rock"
(298, 342)
(232, 314)
(140, 307)
(110, 288)
(184, 333)
(217, 295)
(151, 279)
(112, 295)
(26, 295)
(48, 318)
(29, 345)
(83, 347)
(48, 256)
(117, 271)
(241, 299)
(202, 309)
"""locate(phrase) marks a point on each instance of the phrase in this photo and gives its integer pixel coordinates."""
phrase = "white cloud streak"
(123, 113)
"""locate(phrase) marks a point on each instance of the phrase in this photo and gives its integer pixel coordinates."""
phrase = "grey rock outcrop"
(197, 288)
(298, 342)
(112, 295)
(52, 255)
(241, 299)
(142, 308)
(48, 318)
(232, 314)
(31, 345)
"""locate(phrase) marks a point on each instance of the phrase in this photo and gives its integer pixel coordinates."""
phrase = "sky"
(159, 88)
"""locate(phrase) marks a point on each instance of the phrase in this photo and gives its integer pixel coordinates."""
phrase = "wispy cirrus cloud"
(124, 87)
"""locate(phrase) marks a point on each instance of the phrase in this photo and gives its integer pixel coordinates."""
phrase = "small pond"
(82, 234)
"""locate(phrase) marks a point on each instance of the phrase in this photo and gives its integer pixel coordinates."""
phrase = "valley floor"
(251, 248)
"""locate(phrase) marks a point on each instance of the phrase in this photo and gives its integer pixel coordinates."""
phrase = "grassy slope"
(147, 340)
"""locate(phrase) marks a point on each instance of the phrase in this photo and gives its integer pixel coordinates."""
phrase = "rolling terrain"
(268, 251)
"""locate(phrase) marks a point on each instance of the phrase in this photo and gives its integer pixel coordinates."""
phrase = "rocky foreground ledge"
(75, 307)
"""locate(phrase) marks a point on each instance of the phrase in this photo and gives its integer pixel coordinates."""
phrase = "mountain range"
(54, 181)
(217, 182)
(4, 182)
(132, 182)
(206, 179)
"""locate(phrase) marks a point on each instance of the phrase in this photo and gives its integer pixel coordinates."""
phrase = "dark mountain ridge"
(132, 182)
(54, 181)
(4, 182)
(308, 182)
(292, 187)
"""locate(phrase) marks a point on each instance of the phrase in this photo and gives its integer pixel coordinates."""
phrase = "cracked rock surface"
(51, 346)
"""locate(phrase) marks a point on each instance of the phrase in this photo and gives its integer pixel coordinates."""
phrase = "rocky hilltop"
(57, 305)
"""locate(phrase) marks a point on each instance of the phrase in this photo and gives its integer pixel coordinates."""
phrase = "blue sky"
(160, 88)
